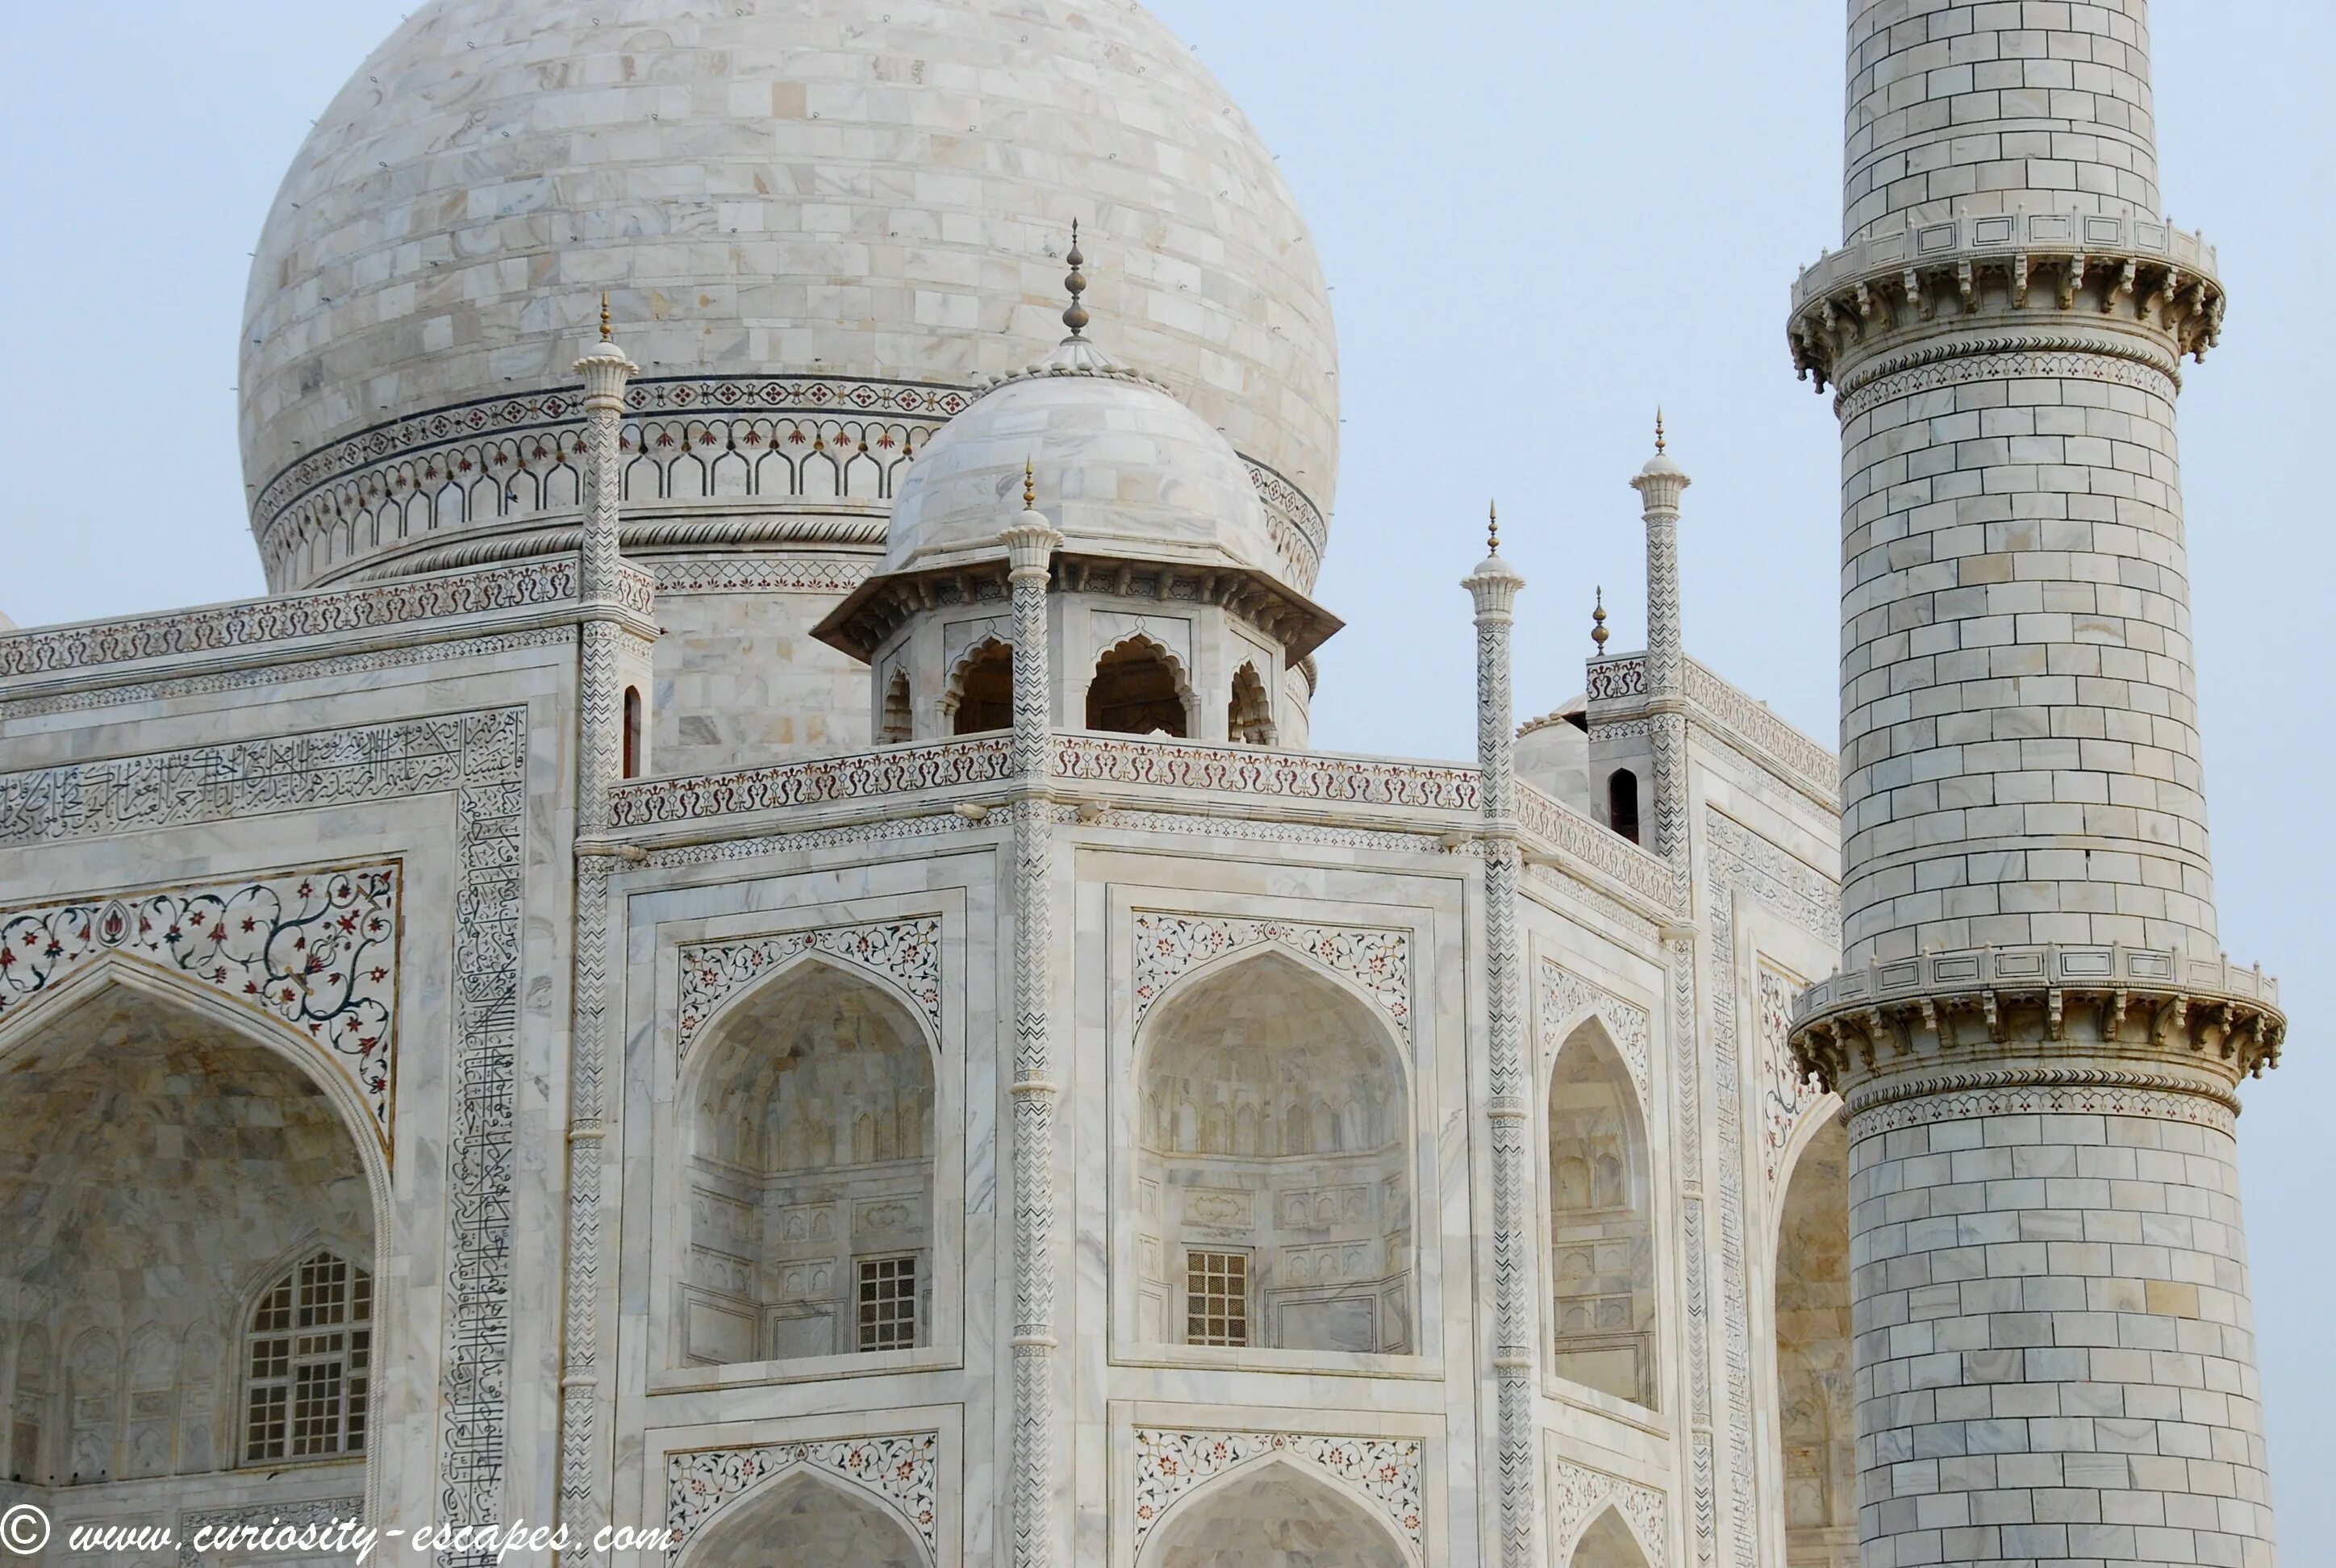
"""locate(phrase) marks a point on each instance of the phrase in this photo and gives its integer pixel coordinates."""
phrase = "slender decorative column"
(599, 741)
(1659, 485)
(1516, 1339)
(2034, 1028)
(1030, 544)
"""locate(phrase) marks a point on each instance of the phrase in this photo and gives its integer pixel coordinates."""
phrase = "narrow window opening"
(1135, 691)
(308, 1364)
(632, 732)
(1623, 803)
(900, 724)
(1216, 1294)
(986, 691)
(888, 1303)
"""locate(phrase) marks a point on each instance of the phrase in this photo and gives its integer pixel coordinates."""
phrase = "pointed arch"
(897, 722)
(1599, 1180)
(809, 1111)
(979, 696)
(1609, 1542)
(1814, 1448)
(803, 1514)
(1139, 688)
(264, 1147)
(1248, 715)
(1269, 1212)
(1272, 1511)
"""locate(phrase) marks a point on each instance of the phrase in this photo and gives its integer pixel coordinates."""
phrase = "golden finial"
(1598, 632)
(1492, 529)
(1658, 429)
(606, 332)
(1029, 485)
(1075, 315)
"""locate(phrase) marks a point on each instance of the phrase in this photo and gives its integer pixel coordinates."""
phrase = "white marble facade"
(667, 1142)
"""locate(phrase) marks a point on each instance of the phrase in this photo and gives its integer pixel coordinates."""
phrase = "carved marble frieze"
(905, 951)
(1383, 1473)
(1567, 999)
(1578, 1494)
(313, 951)
(1788, 1094)
(901, 1473)
(1378, 962)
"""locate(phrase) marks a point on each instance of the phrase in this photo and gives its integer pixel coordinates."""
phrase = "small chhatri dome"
(1129, 470)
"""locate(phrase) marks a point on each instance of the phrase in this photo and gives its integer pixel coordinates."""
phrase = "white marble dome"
(859, 205)
(1122, 469)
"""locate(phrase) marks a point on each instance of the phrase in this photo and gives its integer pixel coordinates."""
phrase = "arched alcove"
(1138, 689)
(981, 689)
(899, 723)
(1249, 717)
(1816, 1401)
(811, 1176)
(1601, 1231)
(1273, 1191)
(1623, 803)
(156, 1163)
(1608, 1542)
(1270, 1515)
(804, 1520)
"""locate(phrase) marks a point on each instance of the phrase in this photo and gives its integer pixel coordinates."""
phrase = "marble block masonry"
(750, 940)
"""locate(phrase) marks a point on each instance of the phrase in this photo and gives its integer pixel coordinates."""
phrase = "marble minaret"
(2034, 1027)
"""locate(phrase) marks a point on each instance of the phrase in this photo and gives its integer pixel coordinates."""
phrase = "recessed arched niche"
(810, 1129)
(1602, 1232)
(1271, 1514)
(809, 1519)
(1138, 687)
(161, 1168)
(981, 697)
(1817, 1412)
(1607, 1542)
(1272, 1167)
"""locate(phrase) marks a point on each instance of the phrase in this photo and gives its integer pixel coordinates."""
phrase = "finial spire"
(1492, 529)
(1029, 485)
(1598, 632)
(1076, 317)
(608, 333)
(1659, 427)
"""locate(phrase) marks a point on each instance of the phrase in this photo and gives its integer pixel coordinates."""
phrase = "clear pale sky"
(1540, 221)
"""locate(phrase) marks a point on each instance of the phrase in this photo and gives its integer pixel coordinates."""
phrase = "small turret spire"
(1598, 632)
(608, 331)
(1074, 316)
(1492, 529)
(1029, 485)
(1659, 427)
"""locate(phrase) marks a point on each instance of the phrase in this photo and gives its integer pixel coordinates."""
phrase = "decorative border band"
(1383, 1472)
(907, 952)
(901, 1473)
(313, 951)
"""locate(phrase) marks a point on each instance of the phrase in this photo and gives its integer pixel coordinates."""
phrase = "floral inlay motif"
(906, 952)
(1379, 961)
(1384, 1472)
(1566, 999)
(1785, 1095)
(1578, 1494)
(901, 1472)
(314, 950)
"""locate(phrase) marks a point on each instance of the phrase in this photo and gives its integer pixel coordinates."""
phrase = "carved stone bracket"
(1969, 268)
(1914, 1016)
